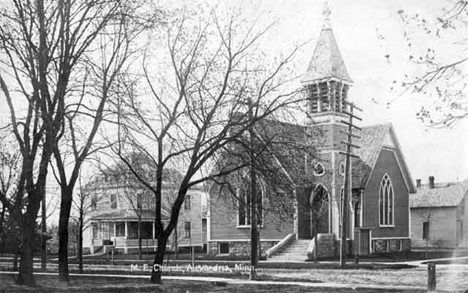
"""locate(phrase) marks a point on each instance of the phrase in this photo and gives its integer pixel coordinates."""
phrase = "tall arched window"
(386, 201)
(244, 207)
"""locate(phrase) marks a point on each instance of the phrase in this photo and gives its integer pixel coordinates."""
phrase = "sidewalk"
(241, 281)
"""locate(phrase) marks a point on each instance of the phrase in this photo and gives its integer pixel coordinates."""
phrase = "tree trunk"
(139, 237)
(158, 261)
(25, 276)
(176, 243)
(15, 260)
(2, 238)
(314, 234)
(253, 204)
(80, 244)
(43, 236)
(65, 207)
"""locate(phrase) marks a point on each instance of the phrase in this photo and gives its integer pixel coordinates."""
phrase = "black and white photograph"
(191, 146)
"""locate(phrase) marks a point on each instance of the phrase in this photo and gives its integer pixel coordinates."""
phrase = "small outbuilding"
(439, 215)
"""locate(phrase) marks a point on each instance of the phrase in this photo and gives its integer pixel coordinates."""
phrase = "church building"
(378, 207)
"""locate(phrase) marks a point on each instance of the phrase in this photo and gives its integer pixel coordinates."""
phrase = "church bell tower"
(326, 81)
(326, 84)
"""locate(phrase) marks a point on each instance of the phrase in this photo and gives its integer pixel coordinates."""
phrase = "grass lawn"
(49, 284)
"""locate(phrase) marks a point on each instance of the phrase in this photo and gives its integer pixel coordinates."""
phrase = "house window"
(187, 230)
(132, 230)
(187, 202)
(224, 247)
(244, 208)
(319, 169)
(95, 229)
(386, 199)
(146, 230)
(119, 229)
(113, 200)
(461, 231)
(425, 230)
(357, 214)
(139, 201)
(93, 202)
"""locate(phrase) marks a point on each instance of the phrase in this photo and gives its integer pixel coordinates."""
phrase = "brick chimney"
(431, 182)
(418, 183)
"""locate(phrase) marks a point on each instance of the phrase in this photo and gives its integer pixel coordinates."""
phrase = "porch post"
(296, 215)
(126, 237)
(154, 236)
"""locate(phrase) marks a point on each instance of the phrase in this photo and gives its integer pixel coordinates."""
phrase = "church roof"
(289, 145)
(372, 140)
(326, 61)
(370, 143)
(442, 195)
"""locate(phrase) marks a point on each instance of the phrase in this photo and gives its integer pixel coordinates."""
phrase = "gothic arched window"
(386, 202)
(244, 207)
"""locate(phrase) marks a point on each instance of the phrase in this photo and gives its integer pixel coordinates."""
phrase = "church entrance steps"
(295, 250)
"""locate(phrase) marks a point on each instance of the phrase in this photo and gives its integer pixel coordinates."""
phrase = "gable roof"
(372, 140)
(442, 195)
(291, 159)
(288, 144)
(326, 61)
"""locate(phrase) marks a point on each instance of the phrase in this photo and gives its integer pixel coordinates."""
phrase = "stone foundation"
(390, 245)
(326, 247)
(238, 248)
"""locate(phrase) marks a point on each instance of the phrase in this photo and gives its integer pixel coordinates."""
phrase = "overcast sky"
(367, 31)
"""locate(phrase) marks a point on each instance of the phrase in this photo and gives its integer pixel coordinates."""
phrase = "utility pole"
(253, 200)
(347, 190)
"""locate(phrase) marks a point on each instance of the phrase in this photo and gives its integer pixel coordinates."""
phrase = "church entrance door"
(320, 211)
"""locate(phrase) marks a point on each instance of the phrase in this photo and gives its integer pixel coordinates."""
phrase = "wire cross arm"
(350, 144)
(351, 115)
(346, 154)
(350, 124)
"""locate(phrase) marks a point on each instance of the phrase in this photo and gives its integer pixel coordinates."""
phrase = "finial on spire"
(326, 14)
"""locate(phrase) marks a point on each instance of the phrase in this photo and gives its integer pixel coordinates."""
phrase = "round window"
(342, 168)
(319, 169)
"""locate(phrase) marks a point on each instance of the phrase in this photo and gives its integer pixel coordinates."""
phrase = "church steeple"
(327, 80)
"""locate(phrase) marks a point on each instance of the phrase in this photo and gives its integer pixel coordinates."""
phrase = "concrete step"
(295, 251)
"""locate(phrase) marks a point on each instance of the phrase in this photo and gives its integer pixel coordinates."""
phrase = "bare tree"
(9, 228)
(137, 197)
(273, 165)
(439, 76)
(45, 66)
(82, 204)
(200, 109)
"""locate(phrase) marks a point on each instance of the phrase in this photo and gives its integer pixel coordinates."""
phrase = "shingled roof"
(289, 144)
(442, 195)
(371, 142)
(326, 61)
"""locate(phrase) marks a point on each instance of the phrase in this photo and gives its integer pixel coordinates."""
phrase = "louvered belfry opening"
(327, 96)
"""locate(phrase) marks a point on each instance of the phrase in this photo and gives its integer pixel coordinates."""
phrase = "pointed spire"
(326, 15)
(326, 61)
